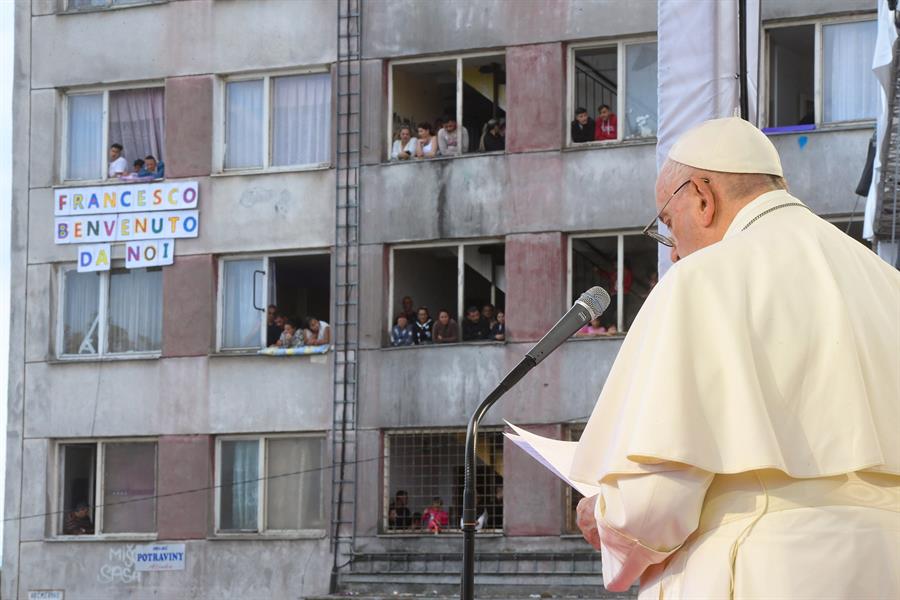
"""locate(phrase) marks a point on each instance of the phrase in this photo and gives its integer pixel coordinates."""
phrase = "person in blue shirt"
(153, 168)
(402, 333)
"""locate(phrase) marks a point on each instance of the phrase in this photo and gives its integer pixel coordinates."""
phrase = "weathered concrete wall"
(181, 38)
(408, 27)
(189, 126)
(189, 304)
(531, 491)
(791, 9)
(185, 463)
(536, 79)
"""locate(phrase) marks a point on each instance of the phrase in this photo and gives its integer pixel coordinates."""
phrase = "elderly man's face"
(688, 214)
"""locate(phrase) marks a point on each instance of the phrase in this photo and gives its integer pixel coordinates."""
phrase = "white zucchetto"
(730, 145)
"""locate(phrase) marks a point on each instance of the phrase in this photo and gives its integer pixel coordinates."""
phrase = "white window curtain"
(76, 4)
(84, 152)
(851, 90)
(239, 490)
(301, 119)
(135, 310)
(137, 121)
(241, 322)
(294, 479)
(244, 124)
(81, 322)
(641, 115)
(129, 487)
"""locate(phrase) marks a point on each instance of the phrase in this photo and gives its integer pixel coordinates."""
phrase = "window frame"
(102, 325)
(109, 5)
(263, 488)
(58, 473)
(460, 277)
(386, 497)
(220, 126)
(621, 69)
(62, 172)
(458, 58)
(818, 68)
(265, 257)
(620, 235)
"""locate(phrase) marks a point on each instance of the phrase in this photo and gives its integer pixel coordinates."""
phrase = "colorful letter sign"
(151, 253)
(95, 257)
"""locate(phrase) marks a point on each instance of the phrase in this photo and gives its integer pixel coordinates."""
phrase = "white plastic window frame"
(102, 324)
(109, 5)
(262, 488)
(818, 68)
(99, 488)
(460, 275)
(62, 173)
(264, 282)
(621, 70)
(458, 58)
(220, 130)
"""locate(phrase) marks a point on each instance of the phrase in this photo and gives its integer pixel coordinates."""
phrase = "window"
(269, 484)
(617, 81)
(821, 73)
(87, 4)
(133, 118)
(291, 287)
(470, 90)
(572, 496)
(114, 312)
(451, 278)
(277, 122)
(424, 479)
(625, 265)
(121, 473)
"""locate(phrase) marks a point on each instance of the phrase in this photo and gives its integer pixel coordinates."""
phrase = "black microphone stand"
(467, 588)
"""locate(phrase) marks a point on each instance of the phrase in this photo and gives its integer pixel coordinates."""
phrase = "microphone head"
(596, 300)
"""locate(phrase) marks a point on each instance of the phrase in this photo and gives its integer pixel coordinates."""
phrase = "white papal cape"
(763, 372)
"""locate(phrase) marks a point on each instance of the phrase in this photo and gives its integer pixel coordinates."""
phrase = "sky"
(6, 69)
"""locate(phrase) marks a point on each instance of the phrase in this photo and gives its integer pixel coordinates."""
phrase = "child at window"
(290, 337)
(401, 333)
(498, 331)
(435, 517)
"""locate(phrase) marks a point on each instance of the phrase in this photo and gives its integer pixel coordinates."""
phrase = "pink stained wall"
(185, 463)
(189, 306)
(532, 495)
(536, 278)
(189, 123)
(535, 92)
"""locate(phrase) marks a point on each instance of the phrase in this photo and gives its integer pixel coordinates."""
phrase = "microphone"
(589, 306)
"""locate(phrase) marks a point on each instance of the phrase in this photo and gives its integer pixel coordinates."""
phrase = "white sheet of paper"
(555, 455)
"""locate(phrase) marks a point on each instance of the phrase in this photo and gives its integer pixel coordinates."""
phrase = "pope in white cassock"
(747, 439)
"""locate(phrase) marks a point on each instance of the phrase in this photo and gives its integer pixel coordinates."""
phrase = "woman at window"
(318, 333)
(404, 146)
(422, 328)
(445, 330)
(426, 144)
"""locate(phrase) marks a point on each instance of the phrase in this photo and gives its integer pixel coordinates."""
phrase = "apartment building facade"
(143, 391)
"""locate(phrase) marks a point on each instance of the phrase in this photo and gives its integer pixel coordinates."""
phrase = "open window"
(95, 121)
(424, 479)
(820, 73)
(469, 91)
(624, 265)
(123, 474)
(448, 278)
(259, 294)
(616, 85)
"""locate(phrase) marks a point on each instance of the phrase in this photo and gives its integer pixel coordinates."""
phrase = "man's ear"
(708, 201)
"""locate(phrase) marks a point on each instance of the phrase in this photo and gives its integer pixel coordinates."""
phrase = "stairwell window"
(277, 122)
(615, 84)
(424, 479)
(269, 484)
(107, 487)
(112, 313)
(257, 294)
(461, 99)
(451, 279)
(819, 73)
(625, 265)
(95, 120)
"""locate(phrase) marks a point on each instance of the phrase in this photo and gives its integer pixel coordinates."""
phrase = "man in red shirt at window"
(605, 125)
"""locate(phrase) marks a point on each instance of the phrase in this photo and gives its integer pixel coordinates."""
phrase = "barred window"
(424, 478)
(573, 497)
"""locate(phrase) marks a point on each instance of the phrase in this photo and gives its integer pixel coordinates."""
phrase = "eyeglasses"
(648, 230)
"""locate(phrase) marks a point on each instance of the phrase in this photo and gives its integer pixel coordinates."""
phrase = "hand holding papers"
(556, 455)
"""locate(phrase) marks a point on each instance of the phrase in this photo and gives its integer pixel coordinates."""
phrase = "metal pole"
(742, 40)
